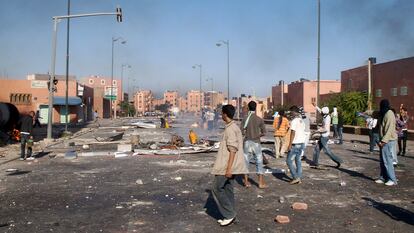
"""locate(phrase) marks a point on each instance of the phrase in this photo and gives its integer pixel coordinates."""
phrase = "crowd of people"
(241, 144)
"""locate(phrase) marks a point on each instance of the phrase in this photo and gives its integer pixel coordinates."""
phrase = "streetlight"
(201, 68)
(218, 44)
(52, 80)
(112, 75)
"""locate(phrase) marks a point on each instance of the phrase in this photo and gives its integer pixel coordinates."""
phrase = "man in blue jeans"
(296, 145)
(388, 137)
(253, 128)
(323, 141)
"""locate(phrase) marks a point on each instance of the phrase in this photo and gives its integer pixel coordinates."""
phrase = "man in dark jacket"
(26, 127)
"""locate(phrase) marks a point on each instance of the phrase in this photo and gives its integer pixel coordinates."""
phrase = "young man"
(296, 145)
(26, 127)
(281, 126)
(306, 120)
(253, 128)
(402, 138)
(323, 141)
(229, 162)
(388, 137)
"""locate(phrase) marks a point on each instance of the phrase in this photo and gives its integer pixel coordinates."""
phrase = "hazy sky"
(270, 40)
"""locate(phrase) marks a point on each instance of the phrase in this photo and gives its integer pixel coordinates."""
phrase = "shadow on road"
(355, 173)
(394, 212)
(18, 173)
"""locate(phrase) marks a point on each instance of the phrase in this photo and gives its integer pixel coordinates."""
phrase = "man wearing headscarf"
(323, 141)
(388, 137)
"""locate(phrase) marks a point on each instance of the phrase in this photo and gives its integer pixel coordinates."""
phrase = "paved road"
(171, 194)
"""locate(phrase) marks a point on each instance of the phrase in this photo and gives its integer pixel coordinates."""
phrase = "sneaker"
(226, 222)
(30, 158)
(21, 159)
(379, 181)
(390, 183)
(295, 181)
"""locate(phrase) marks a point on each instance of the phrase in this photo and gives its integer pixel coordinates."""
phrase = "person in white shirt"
(371, 123)
(323, 141)
(296, 145)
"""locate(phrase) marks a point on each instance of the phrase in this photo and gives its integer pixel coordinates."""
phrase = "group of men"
(241, 143)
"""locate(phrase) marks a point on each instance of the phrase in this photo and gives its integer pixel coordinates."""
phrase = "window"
(394, 91)
(20, 99)
(404, 91)
(102, 81)
(114, 82)
(313, 100)
(378, 93)
(90, 81)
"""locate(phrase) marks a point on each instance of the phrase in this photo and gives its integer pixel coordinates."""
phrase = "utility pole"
(319, 54)
(371, 62)
(67, 71)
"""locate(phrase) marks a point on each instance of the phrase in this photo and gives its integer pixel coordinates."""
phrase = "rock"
(139, 181)
(282, 219)
(85, 147)
(124, 147)
(299, 206)
(281, 199)
(153, 147)
(178, 178)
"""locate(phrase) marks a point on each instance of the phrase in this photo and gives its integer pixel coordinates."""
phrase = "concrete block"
(124, 147)
(299, 206)
(282, 219)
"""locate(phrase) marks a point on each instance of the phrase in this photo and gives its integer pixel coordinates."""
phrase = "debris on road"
(282, 219)
(299, 206)
(139, 181)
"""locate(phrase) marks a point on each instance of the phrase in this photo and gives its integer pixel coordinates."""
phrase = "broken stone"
(299, 206)
(85, 147)
(139, 181)
(124, 147)
(281, 199)
(282, 219)
(153, 147)
(178, 178)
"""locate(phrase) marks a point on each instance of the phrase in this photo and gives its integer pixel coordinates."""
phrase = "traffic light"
(118, 14)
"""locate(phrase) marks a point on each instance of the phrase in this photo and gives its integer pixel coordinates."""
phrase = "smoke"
(387, 24)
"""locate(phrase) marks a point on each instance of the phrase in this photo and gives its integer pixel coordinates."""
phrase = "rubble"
(282, 219)
(299, 206)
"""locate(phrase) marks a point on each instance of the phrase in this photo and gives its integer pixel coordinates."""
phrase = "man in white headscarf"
(323, 141)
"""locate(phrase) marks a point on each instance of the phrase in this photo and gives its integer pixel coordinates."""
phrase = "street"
(171, 193)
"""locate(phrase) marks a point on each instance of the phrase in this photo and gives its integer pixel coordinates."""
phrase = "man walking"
(281, 127)
(229, 162)
(26, 127)
(253, 128)
(388, 137)
(323, 141)
(296, 145)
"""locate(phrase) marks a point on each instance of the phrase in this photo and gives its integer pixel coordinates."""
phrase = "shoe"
(399, 153)
(220, 221)
(21, 159)
(31, 158)
(379, 181)
(390, 183)
(295, 181)
(226, 222)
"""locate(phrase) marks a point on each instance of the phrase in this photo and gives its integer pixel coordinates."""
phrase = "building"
(32, 94)
(303, 93)
(195, 100)
(279, 93)
(157, 102)
(103, 94)
(182, 104)
(171, 97)
(393, 80)
(143, 101)
(212, 99)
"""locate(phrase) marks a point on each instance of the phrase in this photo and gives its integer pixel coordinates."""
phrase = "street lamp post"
(112, 77)
(227, 43)
(56, 20)
(201, 68)
(319, 56)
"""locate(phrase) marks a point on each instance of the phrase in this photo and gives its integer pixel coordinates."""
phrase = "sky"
(270, 40)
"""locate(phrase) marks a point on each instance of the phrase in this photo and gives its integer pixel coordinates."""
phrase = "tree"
(127, 109)
(349, 103)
